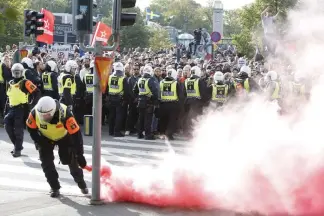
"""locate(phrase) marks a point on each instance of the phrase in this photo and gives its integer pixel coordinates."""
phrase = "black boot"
(54, 193)
(83, 186)
(16, 153)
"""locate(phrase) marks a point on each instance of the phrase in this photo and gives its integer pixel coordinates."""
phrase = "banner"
(48, 28)
(60, 51)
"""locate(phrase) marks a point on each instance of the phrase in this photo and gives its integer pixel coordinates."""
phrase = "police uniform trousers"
(132, 117)
(115, 118)
(88, 99)
(67, 157)
(78, 109)
(3, 98)
(191, 111)
(168, 118)
(145, 118)
(14, 124)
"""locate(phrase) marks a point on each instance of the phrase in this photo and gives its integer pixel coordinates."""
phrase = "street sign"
(23, 53)
(103, 68)
(60, 29)
(215, 36)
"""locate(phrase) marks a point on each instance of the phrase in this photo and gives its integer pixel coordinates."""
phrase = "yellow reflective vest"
(192, 88)
(116, 85)
(246, 85)
(1, 74)
(88, 79)
(143, 87)
(69, 84)
(53, 132)
(15, 95)
(220, 93)
(168, 91)
(276, 93)
(47, 81)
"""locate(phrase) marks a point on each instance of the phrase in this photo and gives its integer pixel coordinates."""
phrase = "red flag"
(48, 20)
(102, 33)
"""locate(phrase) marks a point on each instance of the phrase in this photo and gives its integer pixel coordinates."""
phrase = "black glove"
(81, 161)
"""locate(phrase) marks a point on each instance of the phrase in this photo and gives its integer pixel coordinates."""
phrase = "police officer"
(66, 83)
(5, 77)
(117, 98)
(29, 72)
(219, 90)
(244, 84)
(148, 95)
(78, 97)
(18, 93)
(50, 123)
(273, 88)
(49, 78)
(196, 93)
(169, 108)
(88, 82)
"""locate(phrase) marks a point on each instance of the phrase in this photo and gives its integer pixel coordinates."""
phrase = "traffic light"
(122, 18)
(33, 22)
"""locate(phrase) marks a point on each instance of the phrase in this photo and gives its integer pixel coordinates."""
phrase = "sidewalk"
(28, 203)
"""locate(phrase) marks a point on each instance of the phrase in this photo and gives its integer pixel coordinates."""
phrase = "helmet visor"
(46, 116)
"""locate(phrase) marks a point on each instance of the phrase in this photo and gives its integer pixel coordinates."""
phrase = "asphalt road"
(24, 190)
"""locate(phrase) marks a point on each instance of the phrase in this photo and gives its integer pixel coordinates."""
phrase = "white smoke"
(230, 144)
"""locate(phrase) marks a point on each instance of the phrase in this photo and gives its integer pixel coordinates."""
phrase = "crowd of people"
(149, 94)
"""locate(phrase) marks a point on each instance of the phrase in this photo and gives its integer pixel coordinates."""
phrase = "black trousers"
(14, 123)
(191, 112)
(132, 117)
(145, 117)
(67, 157)
(168, 118)
(115, 119)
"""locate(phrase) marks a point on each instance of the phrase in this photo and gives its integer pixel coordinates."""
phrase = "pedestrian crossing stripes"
(25, 172)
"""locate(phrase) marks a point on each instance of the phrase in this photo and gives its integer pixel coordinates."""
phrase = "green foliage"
(159, 39)
(136, 35)
(232, 23)
(177, 12)
(249, 20)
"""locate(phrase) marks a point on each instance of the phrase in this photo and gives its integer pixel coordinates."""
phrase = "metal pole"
(65, 37)
(96, 148)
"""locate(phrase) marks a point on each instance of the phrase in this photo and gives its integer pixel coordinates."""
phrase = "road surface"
(24, 190)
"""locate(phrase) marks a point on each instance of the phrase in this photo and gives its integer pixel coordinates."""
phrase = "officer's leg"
(111, 119)
(9, 125)
(171, 122)
(163, 118)
(67, 157)
(46, 156)
(148, 123)
(132, 118)
(186, 120)
(120, 111)
(124, 115)
(18, 131)
(140, 127)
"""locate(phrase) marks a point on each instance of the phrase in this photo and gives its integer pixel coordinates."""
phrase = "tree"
(136, 35)
(186, 15)
(250, 21)
(159, 39)
(232, 24)
(11, 21)
(57, 6)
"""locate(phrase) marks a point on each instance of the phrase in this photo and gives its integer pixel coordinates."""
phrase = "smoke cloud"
(248, 158)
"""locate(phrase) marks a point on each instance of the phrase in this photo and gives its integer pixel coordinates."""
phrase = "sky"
(228, 4)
